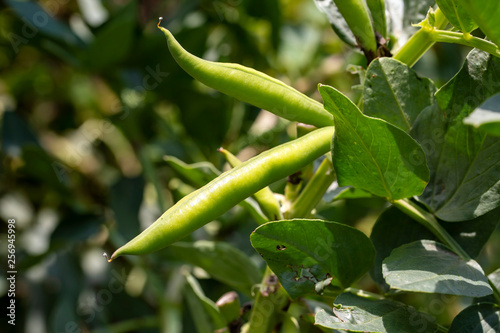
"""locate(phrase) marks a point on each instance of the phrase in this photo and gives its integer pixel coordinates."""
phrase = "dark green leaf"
(487, 116)
(457, 15)
(358, 314)
(427, 266)
(337, 21)
(113, 41)
(126, 199)
(470, 235)
(371, 154)
(394, 92)
(486, 14)
(41, 21)
(478, 318)
(495, 279)
(15, 134)
(464, 165)
(309, 255)
(222, 261)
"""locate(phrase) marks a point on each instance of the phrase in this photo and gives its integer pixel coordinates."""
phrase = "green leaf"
(486, 14)
(113, 42)
(394, 92)
(495, 279)
(40, 21)
(471, 235)
(222, 261)
(457, 15)
(358, 314)
(204, 311)
(310, 255)
(427, 266)
(336, 192)
(464, 162)
(478, 318)
(487, 116)
(125, 200)
(337, 21)
(198, 174)
(371, 154)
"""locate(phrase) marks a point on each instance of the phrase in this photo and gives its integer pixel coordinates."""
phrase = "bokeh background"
(91, 102)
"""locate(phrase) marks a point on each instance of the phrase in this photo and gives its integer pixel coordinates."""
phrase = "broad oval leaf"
(465, 172)
(358, 314)
(457, 15)
(309, 256)
(471, 235)
(371, 154)
(394, 92)
(487, 116)
(430, 267)
(486, 14)
(478, 318)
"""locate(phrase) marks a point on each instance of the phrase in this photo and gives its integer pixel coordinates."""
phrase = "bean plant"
(432, 154)
(429, 151)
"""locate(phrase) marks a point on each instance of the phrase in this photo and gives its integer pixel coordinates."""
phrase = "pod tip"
(105, 255)
(159, 21)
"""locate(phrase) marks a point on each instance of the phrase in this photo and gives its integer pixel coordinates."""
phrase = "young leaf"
(311, 255)
(465, 173)
(427, 266)
(371, 154)
(358, 314)
(457, 15)
(486, 14)
(483, 317)
(394, 92)
(222, 261)
(487, 116)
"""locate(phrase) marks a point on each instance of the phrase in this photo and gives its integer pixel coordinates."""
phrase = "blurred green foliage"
(90, 103)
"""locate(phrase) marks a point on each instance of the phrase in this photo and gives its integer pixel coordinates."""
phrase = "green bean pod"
(265, 197)
(250, 86)
(227, 190)
(357, 16)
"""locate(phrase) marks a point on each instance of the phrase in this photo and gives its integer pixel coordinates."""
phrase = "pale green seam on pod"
(358, 18)
(227, 190)
(265, 197)
(250, 86)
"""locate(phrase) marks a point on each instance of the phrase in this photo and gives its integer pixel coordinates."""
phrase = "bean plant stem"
(465, 39)
(429, 221)
(313, 192)
(421, 41)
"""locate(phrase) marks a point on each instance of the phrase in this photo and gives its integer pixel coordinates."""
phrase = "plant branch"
(421, 41)
(465, 39)
(314, 191)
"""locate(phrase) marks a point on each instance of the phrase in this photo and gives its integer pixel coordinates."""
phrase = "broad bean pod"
(357, 15)
(265, 197)
(227, 190)
(250, 86)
